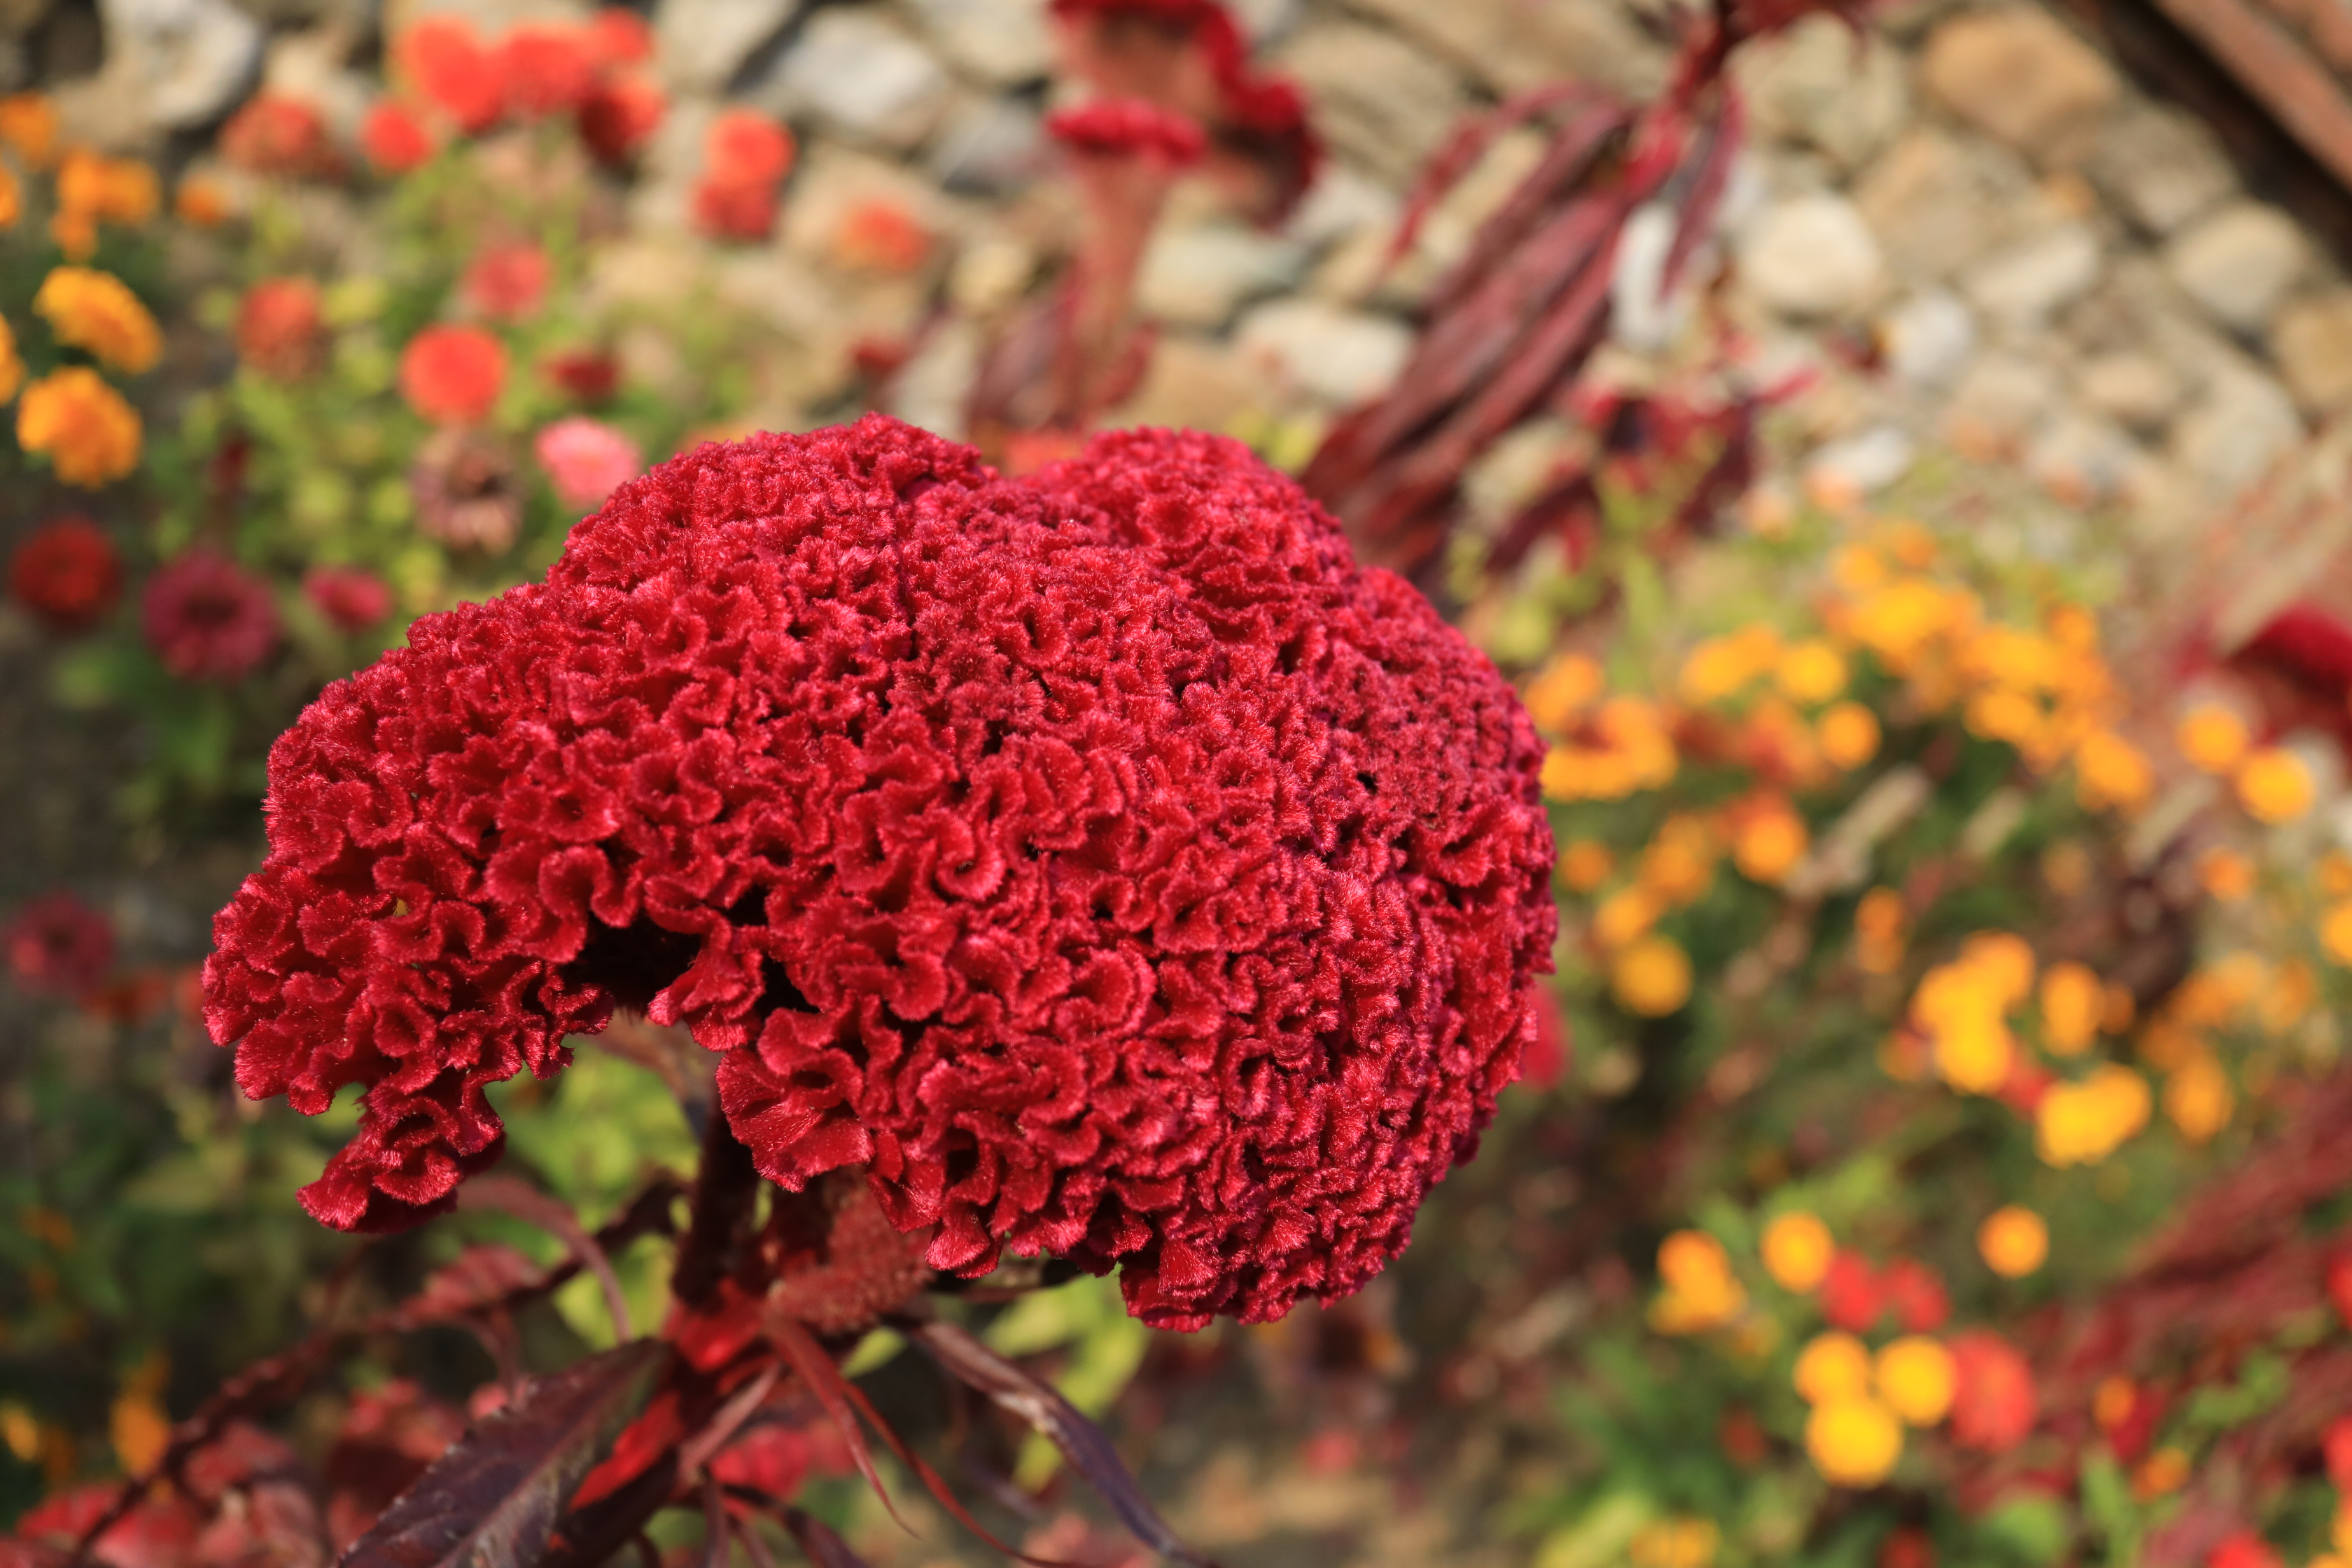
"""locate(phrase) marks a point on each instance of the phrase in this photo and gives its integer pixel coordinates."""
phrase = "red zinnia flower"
(209, 619)
(620, 38)
(507, 282)
(744, 157)
(59, 946)
(67, 574)
(618, 117)
(1100, 861)
(273, 134)
(453, 375)
(1851, 1294)
(2244, 1550)
(734, 212)
(1994, 1404)
(394, 140)
(453, 70)
(1917, 1293)
(278, 327)
(548, 68)
(2336, 1447)
(588, 374)
(351, 599)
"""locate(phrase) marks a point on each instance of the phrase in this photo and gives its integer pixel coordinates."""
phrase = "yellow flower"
(2083, 1123)
(91, 433)
(2211, 737)
(1797, 1251)
(2162, 1472)
(1832, 1367)
(1975, 1053)
(2226, 875)
(1853, 1442)
(1769, 844)
(2014, 1241)
(29, 128)
(1908, 540)
(20, 1434)
(1811, 672)
(1679, 863)
(2336, 933)
(2004, 715)
(1566, 687)
(2116, 1015)
(1857, 569)
(2110, 774)
(2275, 785)
(1624, 916)
(141, 1431)
(1700, 1291)
(2292, 992)
(1720, 667)
(1897, 621)
(11, 369)
(111, 190)
(1848, 735)
(2072, 1003)
(2336, 874)
(1916, 1379)
(1650, 978)
(2198, 1098)
(1585, 864)
(91, 309)
(2339, 1530)
(2005, 960)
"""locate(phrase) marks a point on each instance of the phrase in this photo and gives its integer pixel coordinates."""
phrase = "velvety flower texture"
(1100, 861)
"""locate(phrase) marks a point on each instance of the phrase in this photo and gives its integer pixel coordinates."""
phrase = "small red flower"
(274, 134)
(278, 328)
(507, 282)
(1917, 1295)
(67, 574)
(394, 140)
(620, 38)
(548, 68)
(453, 373)
(351, 600)
(745, 156)
(2244, 1550)
(453, 70)
(2339, 1286)
(1852, 1295)
(880, 236)
(618, 117)
(588, 374)
(1907, 1547)
(59, 946)
(1995, 1403)
(734, 212)
(209, 619)
(2336, 1445)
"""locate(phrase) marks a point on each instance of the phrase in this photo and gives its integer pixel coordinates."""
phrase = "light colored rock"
(1337, 356)
(1643, 315)
(2243, 422)
(189, 60)
(2162, 166)
(1999, 402)
(2082, 459)
(989, 274)
(989, 144)
(2018, 73)
(1812, 256)
(2238, 262)
(310, 66)
(2023, 285)
(703, 45)
(1378, 100)
(2134, 389)
(1927, 340)
(859, 74)
(1200, 275)
(1862, 464)
(1266, 21)
(1192, 384)
(1341, 205)
(1513, 45)
(1822, 84)
(1937, 203)
(1005, 42)
(2312, 342)
(933, 389)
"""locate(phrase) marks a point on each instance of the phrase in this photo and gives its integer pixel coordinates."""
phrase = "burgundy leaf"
(492, 1502)
(818, 1543)
(1083, 1443)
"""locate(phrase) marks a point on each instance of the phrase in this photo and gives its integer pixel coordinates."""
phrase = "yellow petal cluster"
(2083, 1123)
(1700, 1291)
(2014, 1241)
(87, 309)
(1797, 1251)
(91, 435)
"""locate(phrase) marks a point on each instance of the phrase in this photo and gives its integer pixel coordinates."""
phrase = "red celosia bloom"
(508, 282)
(1917, 1293)
(620, 38)
(548, 68)
(394, 140)
(618, 117)
(351, 599)
(207, 618)
(2244, 1549)
(744, 157)
(453, 373)
(1127, 127)
(586, 374)
(67, 574)
(278, 328)
(1993, 1404)
(1852, 1295)
(273, 134)
(1102, 862)
(59, 946)
(453, 70)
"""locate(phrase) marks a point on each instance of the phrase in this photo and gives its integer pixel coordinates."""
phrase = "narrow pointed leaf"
(818, 1543)
(493, 1501)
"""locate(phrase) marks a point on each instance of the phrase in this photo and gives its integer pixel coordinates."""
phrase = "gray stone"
(2017, 72)
(703, 45)
(933, 389)
(18, 17)
(1336, 356)
(310, 66)
(1862, 464)
(2312, 342)
(1192, 384)
(2135, 389)
(1198, 275)
(1266, 21)
(2023, 285)
(1644, 315)
(1937, 203)
(988, 145)
(1812, 256)
(2162, 166)
(2083, 459)
(1928, 339)
(189, 60)
(2243, 422)
(1341, 205)
(1999, 402)
(2239, 263)
(860, 75)
(1378, 100)
(1514, 45)
(1005, 42)
(1822, 84)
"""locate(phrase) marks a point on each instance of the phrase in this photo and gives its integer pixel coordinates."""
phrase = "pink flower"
(353, 600)
(59, 946)
(586, 459)
(508, 282)
(208, 618)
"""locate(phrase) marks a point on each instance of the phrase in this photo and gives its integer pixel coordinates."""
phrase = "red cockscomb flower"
(351, 599)
(394, 140)
(454, 71)
(274, 134)
(1994, 1404)
(67, 574)
(1128, 128)
(453, 375)
(207, 618)
(59, 946)
(620, 116)
(508, 282)
(1102, 862)
(548, 68)
(278, 328)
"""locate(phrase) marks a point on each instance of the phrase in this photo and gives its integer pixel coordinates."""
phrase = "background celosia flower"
(207, 618)
(547, 67)
(279, 327)
(619, 117)
(351, 600)
(507, 282)
(67, 574)
(394, 139)
(275, 134)
(620, 36)
(87, 309)
(59, 946)
(464, 485)
(451, 69)
(1128, 128)
(453, 373)
(91, 433)
(1101, 860)
(745, 155)
(589, 375)
(586, 459)
(1994, 1403)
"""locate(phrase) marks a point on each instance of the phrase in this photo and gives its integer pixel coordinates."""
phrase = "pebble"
(2018, 73)
(1821, 85)
(1936, 204)
(703, 45)
(2161, 167)
(1337, 356)
(1812, 256)
(1199, 276)
(863, 77)
(2137, 390)
(2239, 263)
(189, 61)
(2312, 340)
(2025, 284)
(1862, 464)
(1999, 402)
(1928, 339)
(1378, 100)
(2243, 422)
(1003, 42)
(988, 146)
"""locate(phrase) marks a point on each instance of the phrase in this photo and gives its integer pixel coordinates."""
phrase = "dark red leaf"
(818, 1543)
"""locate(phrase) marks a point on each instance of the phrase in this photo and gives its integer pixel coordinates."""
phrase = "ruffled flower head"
(207, 618)
(549, 68)
(91, 433)
(1099, 864)
(451, 69)
(745, 157)
(87, 309)
(67, 574)
(59, 946)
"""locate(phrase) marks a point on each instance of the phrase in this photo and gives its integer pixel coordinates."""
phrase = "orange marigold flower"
(1834, 1365)
(111, 190)
(2211, 737)
(2014, 1241)
(91, 433)
(12, 198)
(29, 128)
(453, 373)
(1585, 864)
(1916, 1379)
(1797, 1251)
(2275, 785)
(201, 201)
(1652, 977)
(1853, 1442)
(11, 369)
(94, 310)
(1848, 735)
